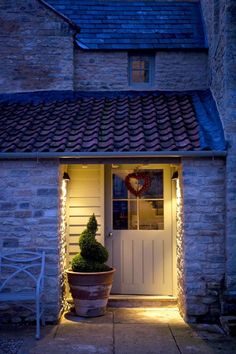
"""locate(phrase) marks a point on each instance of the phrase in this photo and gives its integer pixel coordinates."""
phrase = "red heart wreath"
(139, 176)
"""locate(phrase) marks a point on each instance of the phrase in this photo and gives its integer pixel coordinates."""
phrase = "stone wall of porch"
(31, 214)
(201, 238)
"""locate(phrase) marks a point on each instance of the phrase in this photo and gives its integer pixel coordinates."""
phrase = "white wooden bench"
(22, 280)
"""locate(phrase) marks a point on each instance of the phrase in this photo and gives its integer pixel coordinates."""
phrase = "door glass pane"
(138, 203)
(124, 215)
(119, 187)
(156, 187)
(120, 190)
(151, 215)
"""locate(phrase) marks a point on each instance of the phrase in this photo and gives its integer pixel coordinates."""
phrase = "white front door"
(138, 229)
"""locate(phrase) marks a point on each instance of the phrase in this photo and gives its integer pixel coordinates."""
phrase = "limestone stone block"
(196, 309)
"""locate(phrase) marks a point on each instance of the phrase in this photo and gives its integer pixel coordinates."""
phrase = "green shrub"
(79, 264)
(93, 254)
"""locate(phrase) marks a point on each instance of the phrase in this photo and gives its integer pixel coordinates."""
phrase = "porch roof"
(105, 122)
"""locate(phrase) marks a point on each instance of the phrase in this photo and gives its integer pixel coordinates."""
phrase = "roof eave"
(104, 155)
(166, 47)
(84, 47)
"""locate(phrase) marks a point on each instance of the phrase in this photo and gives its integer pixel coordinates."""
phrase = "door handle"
(110, 234)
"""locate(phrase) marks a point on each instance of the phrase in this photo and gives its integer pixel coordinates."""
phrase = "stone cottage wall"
(175, 70)
(30, 217)
(201, 238)
(36, 48)
(215, 24)
(220, 18)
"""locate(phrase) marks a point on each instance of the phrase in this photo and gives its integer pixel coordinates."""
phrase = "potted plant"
(90, 279)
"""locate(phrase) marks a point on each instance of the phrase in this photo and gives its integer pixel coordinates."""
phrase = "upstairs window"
(141, 70)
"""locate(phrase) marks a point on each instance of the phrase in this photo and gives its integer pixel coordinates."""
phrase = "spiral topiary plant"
(93, 254)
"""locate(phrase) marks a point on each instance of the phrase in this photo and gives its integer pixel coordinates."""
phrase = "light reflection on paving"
(161, 316)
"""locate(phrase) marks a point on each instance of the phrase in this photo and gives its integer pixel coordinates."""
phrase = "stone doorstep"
(138, 301)
(228, 324)
(141, 301)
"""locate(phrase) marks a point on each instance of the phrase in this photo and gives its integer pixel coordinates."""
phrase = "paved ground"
(120, 331)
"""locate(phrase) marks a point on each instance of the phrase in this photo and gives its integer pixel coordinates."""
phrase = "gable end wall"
(36, 48)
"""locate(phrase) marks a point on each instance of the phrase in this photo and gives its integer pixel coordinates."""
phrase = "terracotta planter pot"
(90, 291)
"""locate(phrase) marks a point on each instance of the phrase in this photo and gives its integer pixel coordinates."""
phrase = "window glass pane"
(138, 61)
(137, 76)
(119, 187)
(156, 188)
(151, 215)
(124, 215)
(146, 62)
(145, 76)
(140, 66)
(136, 65)
(140, 76)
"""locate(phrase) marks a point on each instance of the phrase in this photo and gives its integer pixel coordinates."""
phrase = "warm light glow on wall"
(63, 190)
(63, 209)
(63, 243)
(178, 190)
